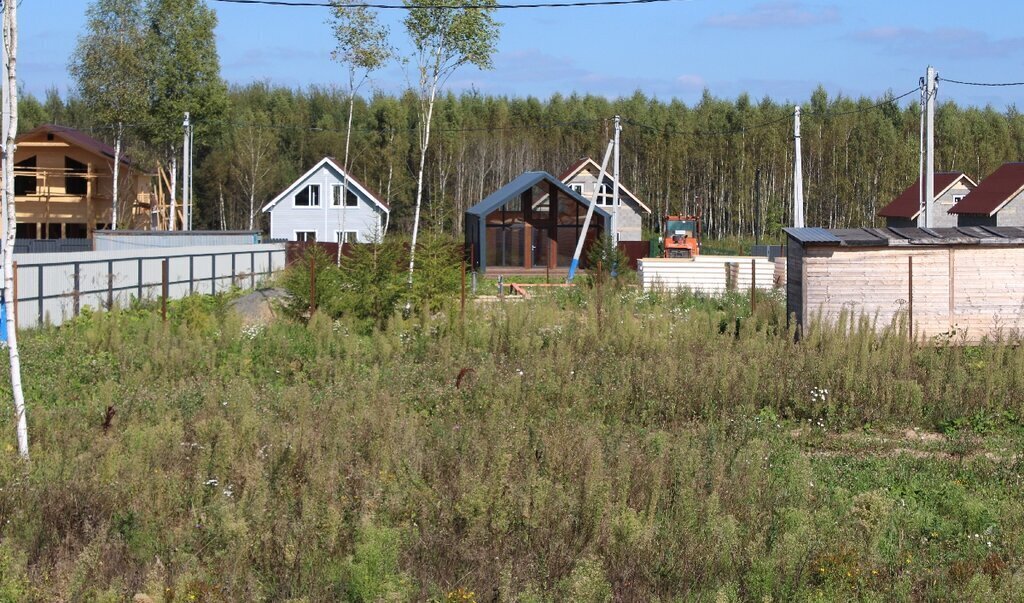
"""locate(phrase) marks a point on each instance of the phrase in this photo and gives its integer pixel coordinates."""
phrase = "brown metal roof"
(79, 139)
(993, 192)
(907, 204)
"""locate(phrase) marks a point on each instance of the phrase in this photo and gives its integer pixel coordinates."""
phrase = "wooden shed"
(968, 281)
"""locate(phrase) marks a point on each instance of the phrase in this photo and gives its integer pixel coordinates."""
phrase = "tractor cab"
(681, 236)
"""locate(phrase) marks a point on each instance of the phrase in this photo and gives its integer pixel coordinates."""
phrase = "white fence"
(706, 273)
(53, 287)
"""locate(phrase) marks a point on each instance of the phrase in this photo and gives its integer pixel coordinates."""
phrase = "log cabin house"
(63, 186)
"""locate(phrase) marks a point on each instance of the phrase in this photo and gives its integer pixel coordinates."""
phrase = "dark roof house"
(950, 188)
(997, 201)
(533, 222)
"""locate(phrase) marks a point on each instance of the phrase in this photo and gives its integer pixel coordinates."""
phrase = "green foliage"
(617, 445)
(605, 259)
(372, 281)
(323, 284)
(109, 70)
(374, 572)
(183, 72)
(439, 271)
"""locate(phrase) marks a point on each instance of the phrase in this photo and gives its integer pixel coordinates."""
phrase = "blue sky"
(782, 49)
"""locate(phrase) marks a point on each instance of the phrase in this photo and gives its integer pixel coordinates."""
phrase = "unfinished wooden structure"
(63, 186)
(966, 282)
(531, 223)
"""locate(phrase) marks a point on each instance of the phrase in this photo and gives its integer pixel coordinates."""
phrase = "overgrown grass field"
(593, 445)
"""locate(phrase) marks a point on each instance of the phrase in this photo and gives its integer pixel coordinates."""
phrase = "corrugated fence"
(52, 287)
(707, 273)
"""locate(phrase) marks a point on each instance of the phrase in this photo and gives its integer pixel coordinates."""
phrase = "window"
(305, 236)
(25, 230)
(25, 184)
(604, 195)
(308, 196)
(351, 200)
(74, 184)
(348, 236)
(577, 187)
(958, 198)
(76, 231)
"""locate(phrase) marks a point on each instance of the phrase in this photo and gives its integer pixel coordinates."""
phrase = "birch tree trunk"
(117, 175)
(10, 35)
(425, 140)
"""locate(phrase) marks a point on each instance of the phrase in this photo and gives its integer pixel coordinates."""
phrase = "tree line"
(730, 159)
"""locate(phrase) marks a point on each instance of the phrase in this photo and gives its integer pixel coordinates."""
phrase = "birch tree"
(252, 147)
(10, 129)
(446, 36)
(109, 73)
(361, 46)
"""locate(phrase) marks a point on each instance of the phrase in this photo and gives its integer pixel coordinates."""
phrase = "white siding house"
(315, 207)
(628, 217)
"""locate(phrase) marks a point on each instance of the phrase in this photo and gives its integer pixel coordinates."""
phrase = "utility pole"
(9, 221)
(615, 183)
(929, 192)
(921, 206)
(798, 174)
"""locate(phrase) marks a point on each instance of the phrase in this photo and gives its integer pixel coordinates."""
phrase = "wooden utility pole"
(10, 128)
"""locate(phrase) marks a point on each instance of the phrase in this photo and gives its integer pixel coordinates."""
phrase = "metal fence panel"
(53, 287)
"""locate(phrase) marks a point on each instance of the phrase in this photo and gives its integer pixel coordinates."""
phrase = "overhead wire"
(465, 6)
(986, 84)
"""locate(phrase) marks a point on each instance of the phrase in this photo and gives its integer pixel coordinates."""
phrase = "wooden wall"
(974, 290)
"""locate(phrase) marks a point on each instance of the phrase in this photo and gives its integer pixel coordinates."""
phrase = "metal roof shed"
(968, 280)
(534, 221)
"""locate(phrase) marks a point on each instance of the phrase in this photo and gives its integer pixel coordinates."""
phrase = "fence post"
(139, 298)
(501, 287)
(15, 294)
(910, 297)
(163, 288)
(191, 274)
(753, 286)
(232, 269)
(40, 295)
(252, 269)
(78, 273)
(110, 285)
(462, 299)
(213, 274)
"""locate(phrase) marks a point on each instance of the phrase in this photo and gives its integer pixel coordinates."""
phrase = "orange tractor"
(681, 236)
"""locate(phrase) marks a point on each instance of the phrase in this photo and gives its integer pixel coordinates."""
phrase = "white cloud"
(776, 14)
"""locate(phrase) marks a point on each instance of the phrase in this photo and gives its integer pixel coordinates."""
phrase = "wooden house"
(319, 207)
(531, 223)
(628, 218)
(965, 281)
(997, 201)
(63, 186)
(905, 210)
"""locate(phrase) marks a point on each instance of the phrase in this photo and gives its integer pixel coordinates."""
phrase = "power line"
(311, 4)
(987, 84)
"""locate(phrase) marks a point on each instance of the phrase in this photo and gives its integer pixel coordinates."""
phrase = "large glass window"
(308, 196)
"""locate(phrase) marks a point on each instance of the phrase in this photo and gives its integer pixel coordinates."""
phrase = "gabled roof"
(994, 192)
(76, 138)
(907, 204)
(524, 182)
(594, 167)
(332, 162)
